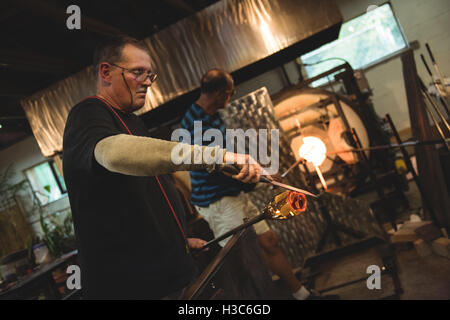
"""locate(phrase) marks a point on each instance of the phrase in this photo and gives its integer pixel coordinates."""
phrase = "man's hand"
(196, 243)
(275, 177)
(250, 170)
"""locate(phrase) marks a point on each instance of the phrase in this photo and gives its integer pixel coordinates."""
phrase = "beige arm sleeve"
(143, 156)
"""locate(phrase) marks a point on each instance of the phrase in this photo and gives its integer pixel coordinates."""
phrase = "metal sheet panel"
(47, 110)
(230, 34)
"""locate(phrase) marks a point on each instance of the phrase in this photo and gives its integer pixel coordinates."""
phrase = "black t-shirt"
(129, 242)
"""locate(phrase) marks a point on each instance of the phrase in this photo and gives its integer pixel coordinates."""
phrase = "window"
(362, 41)
(47, 183)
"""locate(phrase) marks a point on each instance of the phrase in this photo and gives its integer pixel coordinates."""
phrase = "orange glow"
(297, 201)
(313, 150)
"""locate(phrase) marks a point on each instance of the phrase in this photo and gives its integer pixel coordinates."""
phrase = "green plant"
(47, 188)
(59, 237)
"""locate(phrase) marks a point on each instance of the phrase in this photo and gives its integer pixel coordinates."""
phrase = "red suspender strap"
(156, 177)
(171, 208)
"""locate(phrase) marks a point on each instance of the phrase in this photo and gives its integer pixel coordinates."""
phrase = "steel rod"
(247, 224)
(438, 127)
(438, 89)
(392, 146)
(410, 167)
(435, 106)
(438, 71)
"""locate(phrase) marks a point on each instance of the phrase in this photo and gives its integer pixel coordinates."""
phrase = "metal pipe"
(438, 127)
(436, 108)
(410, 167)
(433, 61)
(285, 205)
(247, 224)
(438, 90)
(392, 146)
(388, 146)
(292, 167)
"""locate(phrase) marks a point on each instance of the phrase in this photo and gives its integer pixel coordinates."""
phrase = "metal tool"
(283, 206)
(433, 104)
(393, 146)
(292, 167)
(231, 169)
(439, 129)
(433, 61)
(388, 146)
(411, 169)
(247, 224)
(442, 95)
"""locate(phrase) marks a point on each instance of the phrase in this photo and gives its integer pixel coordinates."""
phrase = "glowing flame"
(313, 150)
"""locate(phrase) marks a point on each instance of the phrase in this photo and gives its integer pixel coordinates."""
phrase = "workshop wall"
(24, 155)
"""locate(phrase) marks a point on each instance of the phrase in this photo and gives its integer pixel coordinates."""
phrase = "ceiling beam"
(33, 62)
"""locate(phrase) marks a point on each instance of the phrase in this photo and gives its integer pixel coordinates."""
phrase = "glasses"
(140, 74)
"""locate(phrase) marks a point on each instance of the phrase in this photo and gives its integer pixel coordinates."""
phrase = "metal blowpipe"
(382, 147)
(283, 206)
(393, 146)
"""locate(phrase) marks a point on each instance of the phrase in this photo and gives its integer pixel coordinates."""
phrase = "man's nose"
(147, 82)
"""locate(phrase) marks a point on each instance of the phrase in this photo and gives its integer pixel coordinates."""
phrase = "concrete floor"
(420, 278)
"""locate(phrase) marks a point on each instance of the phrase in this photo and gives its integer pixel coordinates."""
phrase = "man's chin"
(137, 107)
(139, 102)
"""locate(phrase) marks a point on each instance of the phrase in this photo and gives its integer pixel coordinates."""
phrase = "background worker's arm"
(143, 156)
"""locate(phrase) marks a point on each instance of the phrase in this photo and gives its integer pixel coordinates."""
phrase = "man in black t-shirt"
(128, 217)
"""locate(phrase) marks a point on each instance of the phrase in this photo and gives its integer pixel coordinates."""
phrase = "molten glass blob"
(286, 205)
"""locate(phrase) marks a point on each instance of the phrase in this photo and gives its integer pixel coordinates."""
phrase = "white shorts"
(229, 212)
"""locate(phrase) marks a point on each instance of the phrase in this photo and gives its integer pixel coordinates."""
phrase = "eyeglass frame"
(149, 73)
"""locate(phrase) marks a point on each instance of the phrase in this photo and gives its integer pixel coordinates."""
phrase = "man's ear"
(219, 94)
(104, 71)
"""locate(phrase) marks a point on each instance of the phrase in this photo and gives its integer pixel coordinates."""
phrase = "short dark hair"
(110, 49)
(214, 80)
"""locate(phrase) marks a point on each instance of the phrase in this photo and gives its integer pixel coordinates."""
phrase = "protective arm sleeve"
(143, 156)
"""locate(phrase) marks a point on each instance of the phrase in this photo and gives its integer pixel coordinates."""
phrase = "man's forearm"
(143, 156)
